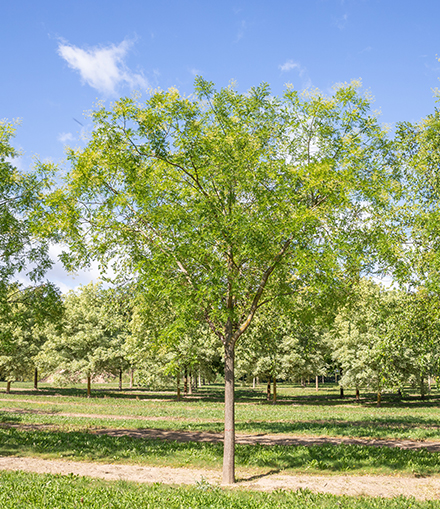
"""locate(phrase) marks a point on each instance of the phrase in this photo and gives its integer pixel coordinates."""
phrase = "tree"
(22, 329)
(358, 338)
(20, 198)
(23, 308)
(224, 201)
(92, 337)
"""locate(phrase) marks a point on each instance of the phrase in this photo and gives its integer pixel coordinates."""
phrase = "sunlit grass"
(19, 490)
(353, 459)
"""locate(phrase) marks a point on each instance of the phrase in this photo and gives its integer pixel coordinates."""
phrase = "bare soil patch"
(264, 439)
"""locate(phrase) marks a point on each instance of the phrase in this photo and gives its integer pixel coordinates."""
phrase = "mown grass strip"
(19, 490)
(314, 459)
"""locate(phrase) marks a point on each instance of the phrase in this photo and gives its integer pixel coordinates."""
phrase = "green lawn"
(19, 490)
(299, 412)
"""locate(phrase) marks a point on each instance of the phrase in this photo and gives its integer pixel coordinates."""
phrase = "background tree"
(23, 308)
(27, 313)
(91, 341)
(225, 201)
(358, 339)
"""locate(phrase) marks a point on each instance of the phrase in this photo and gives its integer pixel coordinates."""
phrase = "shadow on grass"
(314, 458)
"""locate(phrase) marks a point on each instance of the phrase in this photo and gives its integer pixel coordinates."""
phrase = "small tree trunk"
(229, 439)
(131, 378)
(317, 383)
(8, 387)
(323, 379)
(185, 382)
(36, 379)
(341, 392)
(274, 399)
(120, 379)
(379, 397)
(422, 387)
(303, 383)
(254, 383)
(190, 391)
(268, 389)
(429, 383)
(178, 386)
(200, 380)
(89, 385)
(357, 394)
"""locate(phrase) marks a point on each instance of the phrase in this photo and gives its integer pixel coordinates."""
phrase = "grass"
(19, 490)
(72, 418)
(299, 411)
(322, 459)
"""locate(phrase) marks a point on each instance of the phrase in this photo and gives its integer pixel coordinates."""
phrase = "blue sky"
(60, 57)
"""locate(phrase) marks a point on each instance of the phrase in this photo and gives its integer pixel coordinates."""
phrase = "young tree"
(92, 337)
(22, 329)
(224, 201)
(358, 338)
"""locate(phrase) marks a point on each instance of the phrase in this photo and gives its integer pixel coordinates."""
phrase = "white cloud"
(102, 68)
(65, 138)
(195, 72)
(291, 65)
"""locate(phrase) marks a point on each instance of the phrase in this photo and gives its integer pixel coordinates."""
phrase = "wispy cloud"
(241, 31)
(291, 65)
(341, 21)
(65, 138)
(102, 67)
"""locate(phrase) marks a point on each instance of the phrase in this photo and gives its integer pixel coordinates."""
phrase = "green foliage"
(23, 326)
(358, 338)
(91, 339)
(218, 200)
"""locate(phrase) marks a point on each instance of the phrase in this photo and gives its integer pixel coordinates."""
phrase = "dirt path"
(376, 486)
(264, 439)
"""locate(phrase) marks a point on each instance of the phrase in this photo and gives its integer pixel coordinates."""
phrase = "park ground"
(309, 440)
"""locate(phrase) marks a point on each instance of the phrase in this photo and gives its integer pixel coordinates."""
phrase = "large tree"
(224, 201)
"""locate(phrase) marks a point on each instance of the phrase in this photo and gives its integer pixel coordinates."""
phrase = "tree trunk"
(36, 379)
(268, 389)
(190, 390)
(178, 386)
(317, 383)
(8, 387)
(254, 383)
(303, 383)
(229, 440)
(200, 380)
(185, 382)
(357, 394)
(274, 399)
(120, 379)
(422, 387)
(379, 397)
(131, 378)
(341, 392)
(89, 385)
